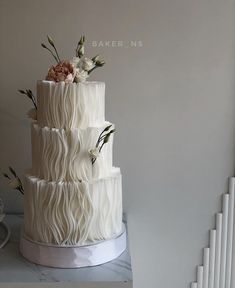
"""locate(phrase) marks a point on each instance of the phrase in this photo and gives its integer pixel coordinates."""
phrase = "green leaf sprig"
(103, 139)
(55, 53)
(15, 182)
(30, 95)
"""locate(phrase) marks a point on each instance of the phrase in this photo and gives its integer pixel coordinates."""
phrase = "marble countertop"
(15, 271)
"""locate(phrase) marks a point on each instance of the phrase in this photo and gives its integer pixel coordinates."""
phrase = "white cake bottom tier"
(74, 105)
(73, 213)
(63, 155)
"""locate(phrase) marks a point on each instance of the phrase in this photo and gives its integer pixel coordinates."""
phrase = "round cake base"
(73, 256)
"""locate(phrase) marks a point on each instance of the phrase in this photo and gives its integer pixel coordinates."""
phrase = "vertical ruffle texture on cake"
(74, 105)
(73, 213)
(63, 155)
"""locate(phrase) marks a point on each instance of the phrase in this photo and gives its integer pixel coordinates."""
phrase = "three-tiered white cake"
(72, 193)
(70, 201)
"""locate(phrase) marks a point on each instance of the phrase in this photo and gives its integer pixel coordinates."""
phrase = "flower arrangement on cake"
(76, 70)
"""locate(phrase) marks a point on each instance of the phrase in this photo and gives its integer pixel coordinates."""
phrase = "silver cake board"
(73, 256)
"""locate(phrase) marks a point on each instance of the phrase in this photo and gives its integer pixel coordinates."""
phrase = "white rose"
(94, 152)
(75, 61)
(32, 113)
(87, 64)
(14, 183)
(81, 75)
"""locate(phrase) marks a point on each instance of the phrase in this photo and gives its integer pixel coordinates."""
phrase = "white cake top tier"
(74, 105)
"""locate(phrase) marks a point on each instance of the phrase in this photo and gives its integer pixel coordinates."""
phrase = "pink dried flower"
(63, 71)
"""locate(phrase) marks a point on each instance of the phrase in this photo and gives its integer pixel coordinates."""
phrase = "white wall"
(172, 100)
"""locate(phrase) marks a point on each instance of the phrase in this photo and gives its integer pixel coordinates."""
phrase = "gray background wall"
(172, 100)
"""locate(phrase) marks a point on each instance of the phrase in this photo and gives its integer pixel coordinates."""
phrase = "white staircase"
(218, 268)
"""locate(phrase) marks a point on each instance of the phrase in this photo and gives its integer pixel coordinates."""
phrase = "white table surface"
(15, 271)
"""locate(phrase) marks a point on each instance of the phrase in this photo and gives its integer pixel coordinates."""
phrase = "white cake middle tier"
(63, 155)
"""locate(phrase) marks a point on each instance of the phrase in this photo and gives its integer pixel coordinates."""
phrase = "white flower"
(81, 75)
(14, 183)
(2, 215)
(87, 64)
(32, 113)
(94, 152)
(75, 61)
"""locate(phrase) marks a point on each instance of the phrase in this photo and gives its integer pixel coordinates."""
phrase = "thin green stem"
(56, 52)
(101, 147)
(31, 96)
(89, 72)
(77, 49)
(21, 190)
(101, 138)
(57, 60)
(34, 103)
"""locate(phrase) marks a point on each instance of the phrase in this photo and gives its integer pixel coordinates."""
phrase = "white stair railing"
(218, 267)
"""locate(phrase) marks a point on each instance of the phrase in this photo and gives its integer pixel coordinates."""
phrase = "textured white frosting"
(59, 207)
(75, 105)
(63, 155)
(73, 212)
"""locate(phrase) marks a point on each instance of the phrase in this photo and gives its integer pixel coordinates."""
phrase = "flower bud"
(107, 128)
(43, 45)
(106, 138)
(6, 175)
(22, 91)
(50, 41)
(99, 63)
(82, 40)
(96, 58)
